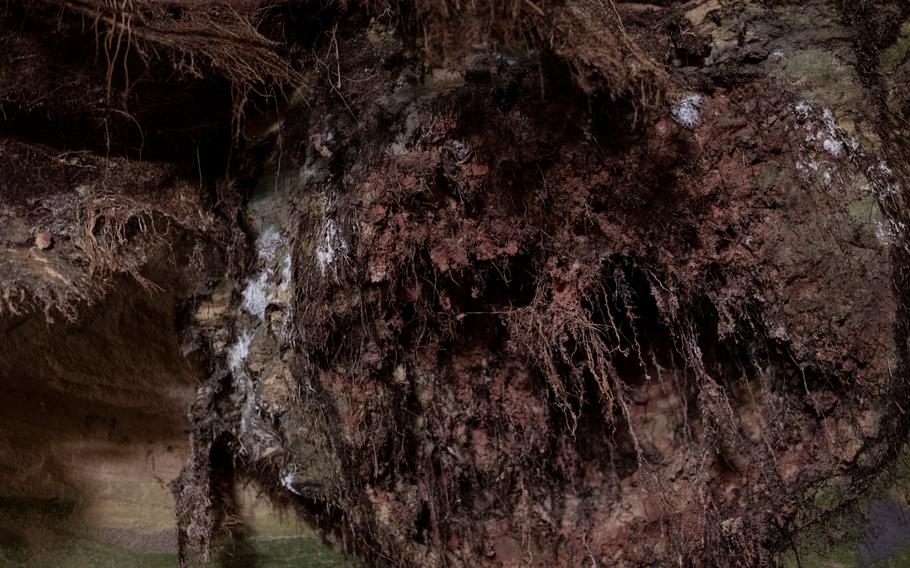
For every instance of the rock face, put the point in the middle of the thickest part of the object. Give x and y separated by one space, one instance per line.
621 284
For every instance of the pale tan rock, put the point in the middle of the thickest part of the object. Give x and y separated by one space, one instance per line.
44 240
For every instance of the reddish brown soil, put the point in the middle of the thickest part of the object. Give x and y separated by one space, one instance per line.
592 326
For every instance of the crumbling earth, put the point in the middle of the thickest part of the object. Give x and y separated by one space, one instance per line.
491 285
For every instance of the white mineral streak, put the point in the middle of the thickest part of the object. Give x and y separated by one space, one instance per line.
331 246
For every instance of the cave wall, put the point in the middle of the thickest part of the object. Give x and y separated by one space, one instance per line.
620 283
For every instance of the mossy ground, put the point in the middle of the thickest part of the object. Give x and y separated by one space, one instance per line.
53 536
73 551
851 538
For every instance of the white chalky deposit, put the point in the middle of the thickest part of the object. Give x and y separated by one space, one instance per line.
686 111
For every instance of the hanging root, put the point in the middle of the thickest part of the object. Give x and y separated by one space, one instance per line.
713 403
197 490
120 227
568 345
197 40
588 34
109 224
